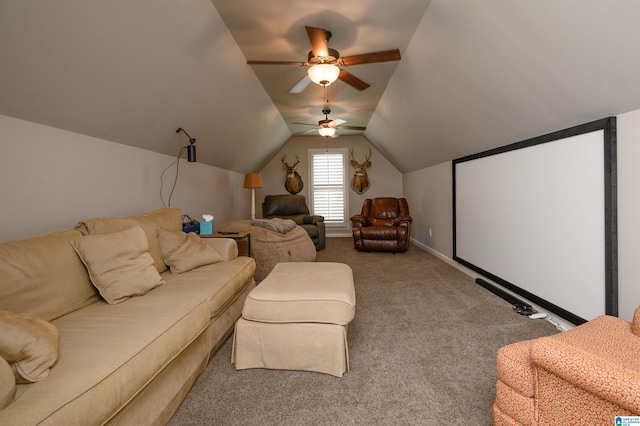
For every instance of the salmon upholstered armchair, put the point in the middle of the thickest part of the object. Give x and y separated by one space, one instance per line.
587 375
383 225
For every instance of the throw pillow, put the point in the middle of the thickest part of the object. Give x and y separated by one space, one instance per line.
184 252
7 384
119 263
29 344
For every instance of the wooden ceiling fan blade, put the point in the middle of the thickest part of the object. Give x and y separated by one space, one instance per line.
370 58
318 38
301 84
301 64
352 127
352 80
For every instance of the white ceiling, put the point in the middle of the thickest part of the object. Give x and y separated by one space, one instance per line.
474 74
275 30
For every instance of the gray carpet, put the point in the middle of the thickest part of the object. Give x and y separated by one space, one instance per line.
422 348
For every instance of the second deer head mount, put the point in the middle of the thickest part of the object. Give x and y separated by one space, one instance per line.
360 180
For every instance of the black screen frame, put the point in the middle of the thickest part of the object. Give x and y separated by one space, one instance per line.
608 125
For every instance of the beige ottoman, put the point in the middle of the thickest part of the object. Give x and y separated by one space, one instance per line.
296 319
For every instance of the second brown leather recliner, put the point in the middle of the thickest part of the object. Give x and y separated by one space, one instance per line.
383 225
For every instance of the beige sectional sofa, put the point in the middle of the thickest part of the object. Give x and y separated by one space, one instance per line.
128 362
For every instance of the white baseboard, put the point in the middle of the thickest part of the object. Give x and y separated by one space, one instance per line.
560 323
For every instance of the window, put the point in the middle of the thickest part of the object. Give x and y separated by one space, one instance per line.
328 186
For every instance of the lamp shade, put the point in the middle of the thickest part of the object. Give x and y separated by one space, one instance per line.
327 131
323 74
252 180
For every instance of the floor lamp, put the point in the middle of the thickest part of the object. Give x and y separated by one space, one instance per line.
253 181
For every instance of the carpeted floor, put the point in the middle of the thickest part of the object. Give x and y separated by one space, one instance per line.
422 349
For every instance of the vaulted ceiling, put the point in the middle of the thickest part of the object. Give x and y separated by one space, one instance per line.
473 75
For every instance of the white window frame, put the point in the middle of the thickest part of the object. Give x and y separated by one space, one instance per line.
344 224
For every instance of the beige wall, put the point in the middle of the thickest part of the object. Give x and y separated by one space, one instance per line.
429 192
51 178
385 180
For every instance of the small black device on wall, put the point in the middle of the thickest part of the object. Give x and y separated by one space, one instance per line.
191 148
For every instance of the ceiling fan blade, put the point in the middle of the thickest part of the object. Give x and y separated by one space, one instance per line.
352 127
370 58
301 84
338 121
305 124
301 64
307 132
318 38
352 80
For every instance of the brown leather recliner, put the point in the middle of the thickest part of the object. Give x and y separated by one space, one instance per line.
294 207
383 225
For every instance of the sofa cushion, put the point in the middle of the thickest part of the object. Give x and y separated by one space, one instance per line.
29 344
119 263
184 252
167 218
44 276
108 354
7 384
218 283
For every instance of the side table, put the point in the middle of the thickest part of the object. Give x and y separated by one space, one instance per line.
236 236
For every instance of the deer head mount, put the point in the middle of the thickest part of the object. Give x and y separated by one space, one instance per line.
360 181
293 182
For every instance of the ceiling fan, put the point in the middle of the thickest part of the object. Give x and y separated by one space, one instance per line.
327 127
324 62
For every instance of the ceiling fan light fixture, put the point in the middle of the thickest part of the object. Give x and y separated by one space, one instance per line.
323 74
327 131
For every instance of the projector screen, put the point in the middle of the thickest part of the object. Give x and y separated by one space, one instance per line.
538 218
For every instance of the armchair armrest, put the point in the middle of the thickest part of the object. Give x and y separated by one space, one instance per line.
599 374
313 219
358 221
403 219
227 247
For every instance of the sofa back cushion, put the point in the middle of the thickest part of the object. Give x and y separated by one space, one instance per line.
44 276
167 218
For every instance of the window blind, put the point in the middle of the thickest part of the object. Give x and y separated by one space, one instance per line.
329 189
